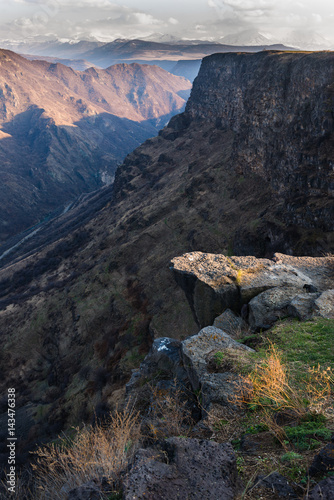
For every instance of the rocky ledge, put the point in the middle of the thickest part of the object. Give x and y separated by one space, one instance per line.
260 291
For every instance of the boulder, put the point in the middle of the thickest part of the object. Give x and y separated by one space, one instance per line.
271 305
323 490
183 468
320 270
323 461
220 388
230 323
252 283
324 305
196 351
301 306
164 356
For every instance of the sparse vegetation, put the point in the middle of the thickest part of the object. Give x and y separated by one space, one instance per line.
94 453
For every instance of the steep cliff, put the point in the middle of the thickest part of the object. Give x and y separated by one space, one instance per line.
263 124
78 313
282 119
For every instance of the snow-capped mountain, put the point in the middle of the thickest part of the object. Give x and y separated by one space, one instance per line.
248 37
308 40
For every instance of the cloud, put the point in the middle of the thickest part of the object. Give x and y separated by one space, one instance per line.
142 18
210 19
255 5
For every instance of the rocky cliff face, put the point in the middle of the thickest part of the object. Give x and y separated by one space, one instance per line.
79 312
281 115
266 121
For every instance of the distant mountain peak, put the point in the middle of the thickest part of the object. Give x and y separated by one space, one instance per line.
248 37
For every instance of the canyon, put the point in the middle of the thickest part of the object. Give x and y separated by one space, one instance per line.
64 132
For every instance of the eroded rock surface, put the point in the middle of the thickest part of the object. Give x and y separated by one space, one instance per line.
183 468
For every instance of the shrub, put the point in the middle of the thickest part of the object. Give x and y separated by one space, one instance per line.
94 453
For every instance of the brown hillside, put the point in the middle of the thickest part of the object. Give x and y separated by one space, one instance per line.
63 132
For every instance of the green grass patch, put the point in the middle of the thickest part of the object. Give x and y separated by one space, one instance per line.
308 435
303 344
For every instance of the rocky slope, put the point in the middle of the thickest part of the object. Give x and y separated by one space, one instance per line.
225 176
63 132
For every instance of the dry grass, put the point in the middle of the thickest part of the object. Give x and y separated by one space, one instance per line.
169 413
272 388
95 453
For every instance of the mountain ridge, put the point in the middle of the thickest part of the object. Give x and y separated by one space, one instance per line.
64 132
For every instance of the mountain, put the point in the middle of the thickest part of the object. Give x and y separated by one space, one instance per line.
188 69
308 40
247 37
158 49
144 51
52 48
64 132
246 170
77 64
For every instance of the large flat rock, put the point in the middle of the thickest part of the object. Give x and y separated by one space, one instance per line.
213 283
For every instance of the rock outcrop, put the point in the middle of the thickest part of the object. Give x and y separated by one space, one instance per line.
263 290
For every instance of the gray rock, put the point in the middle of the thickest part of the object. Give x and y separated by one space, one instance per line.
318 269
221 388
215 387
230 323
276 483
301 306
196 348
323 490
272 276
270 305
183 468
164 356
324 305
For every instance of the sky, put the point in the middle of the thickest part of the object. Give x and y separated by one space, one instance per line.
106 20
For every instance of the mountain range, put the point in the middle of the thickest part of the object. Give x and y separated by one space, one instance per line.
163 53
63 132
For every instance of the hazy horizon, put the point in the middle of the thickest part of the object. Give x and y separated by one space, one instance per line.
105 20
